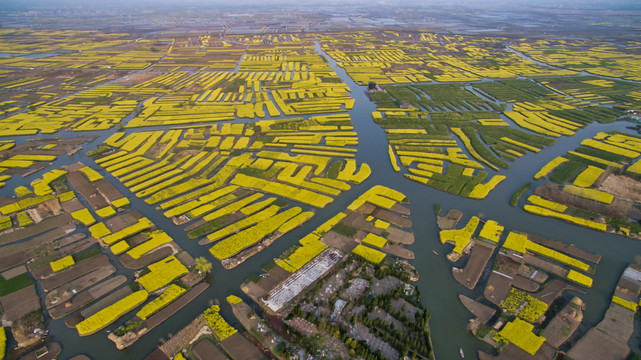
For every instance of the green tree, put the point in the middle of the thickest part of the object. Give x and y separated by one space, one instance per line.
203 265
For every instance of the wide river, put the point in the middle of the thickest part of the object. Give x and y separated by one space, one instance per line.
439 289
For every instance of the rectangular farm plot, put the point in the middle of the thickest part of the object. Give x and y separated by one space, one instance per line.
162 273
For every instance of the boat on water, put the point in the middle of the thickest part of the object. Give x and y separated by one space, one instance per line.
460 351
434 251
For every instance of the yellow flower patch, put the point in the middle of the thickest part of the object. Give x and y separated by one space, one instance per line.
519 333
41 186
106 212
573 219
108 315
592 194
369 254
91 174
141 225
547 168
381 224
221 328
233 299
460 237
162 273
24 219
84 216
237 242
480 191
392 158
120 203
580 279
119 247
157 238
632 306
588 176
168 296
537 200
375 240
62 264
99 230
310 247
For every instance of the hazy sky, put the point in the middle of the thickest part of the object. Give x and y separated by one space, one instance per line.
571 4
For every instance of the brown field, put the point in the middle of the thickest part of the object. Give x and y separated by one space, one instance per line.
470 275
239 348
64 293
20 303
206 350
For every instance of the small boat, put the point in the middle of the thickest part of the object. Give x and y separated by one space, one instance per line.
434 251
460 351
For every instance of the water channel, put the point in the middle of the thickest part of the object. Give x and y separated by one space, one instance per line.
439 289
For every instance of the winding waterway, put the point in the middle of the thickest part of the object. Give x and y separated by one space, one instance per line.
439 289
